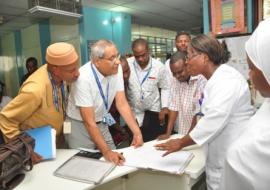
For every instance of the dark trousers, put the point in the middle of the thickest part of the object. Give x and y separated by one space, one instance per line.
151 127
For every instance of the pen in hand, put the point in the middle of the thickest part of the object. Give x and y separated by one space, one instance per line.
121 159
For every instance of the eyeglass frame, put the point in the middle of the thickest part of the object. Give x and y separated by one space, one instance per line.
112 60
193 56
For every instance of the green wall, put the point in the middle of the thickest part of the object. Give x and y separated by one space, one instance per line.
8 64
65 30
30 45
101 24
32 41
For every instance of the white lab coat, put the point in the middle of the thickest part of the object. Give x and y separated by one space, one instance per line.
226 108
247 164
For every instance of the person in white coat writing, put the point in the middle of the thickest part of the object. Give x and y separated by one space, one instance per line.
247 163
226 107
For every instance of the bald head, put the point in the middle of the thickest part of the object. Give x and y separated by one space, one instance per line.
140 42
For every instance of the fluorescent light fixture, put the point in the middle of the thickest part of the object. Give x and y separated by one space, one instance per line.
39 9
117 19
105 22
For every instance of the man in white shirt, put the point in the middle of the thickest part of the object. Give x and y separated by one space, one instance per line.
100 81
148 88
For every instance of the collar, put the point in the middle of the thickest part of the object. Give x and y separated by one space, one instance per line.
148 66
192 78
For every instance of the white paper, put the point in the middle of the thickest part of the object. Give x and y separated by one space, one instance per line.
54 143
149 158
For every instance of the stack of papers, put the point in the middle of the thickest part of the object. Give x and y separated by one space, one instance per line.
148 157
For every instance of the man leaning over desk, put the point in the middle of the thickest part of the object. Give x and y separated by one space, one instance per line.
40 100
91 96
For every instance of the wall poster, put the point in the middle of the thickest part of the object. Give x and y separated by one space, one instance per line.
227 17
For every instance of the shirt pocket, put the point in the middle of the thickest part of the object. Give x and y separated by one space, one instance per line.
150 85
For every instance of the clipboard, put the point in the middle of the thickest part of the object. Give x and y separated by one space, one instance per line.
84 169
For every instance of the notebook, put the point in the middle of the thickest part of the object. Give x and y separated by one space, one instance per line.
45 144
148 157
84 169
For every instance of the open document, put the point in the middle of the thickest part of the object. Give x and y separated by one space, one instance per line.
84 169
148 157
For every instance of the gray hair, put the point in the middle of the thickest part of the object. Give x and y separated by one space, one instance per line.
98 48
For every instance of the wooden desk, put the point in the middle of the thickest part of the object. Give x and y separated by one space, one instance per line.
121 178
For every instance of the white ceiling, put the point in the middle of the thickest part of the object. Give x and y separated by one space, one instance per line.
174 15
14 16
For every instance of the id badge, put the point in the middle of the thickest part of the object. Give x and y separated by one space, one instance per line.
67 127
108 119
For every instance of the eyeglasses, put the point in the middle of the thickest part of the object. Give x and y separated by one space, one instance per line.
113 59
141 56
189 57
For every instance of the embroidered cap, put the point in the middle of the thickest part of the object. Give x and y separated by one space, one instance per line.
61 53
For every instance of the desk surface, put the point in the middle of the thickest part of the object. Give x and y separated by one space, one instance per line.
41 177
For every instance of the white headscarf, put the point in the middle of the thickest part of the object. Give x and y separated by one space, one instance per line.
258 48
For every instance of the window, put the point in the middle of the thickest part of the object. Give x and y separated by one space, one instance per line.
159 47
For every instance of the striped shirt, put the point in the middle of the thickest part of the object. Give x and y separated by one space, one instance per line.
185 99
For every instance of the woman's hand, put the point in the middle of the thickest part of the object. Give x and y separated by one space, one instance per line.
170 146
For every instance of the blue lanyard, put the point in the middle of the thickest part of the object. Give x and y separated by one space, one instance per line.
105 100
200 103
145 76
55 94
201 99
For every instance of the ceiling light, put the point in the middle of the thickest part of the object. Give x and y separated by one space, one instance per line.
118 19
38 10
105 22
